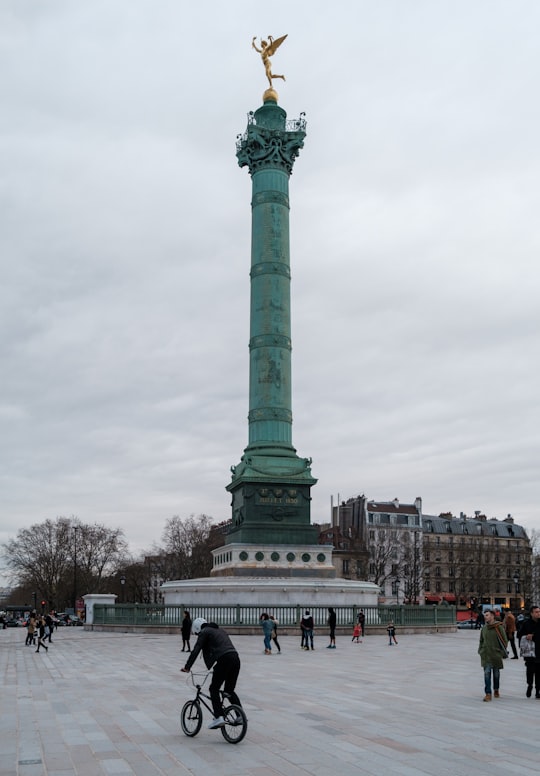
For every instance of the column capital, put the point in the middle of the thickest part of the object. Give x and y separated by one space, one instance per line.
270 141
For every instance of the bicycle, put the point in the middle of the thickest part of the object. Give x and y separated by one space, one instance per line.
191 716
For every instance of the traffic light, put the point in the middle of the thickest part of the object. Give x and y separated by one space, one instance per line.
43 604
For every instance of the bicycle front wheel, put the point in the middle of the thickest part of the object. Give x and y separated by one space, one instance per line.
191 718
235 727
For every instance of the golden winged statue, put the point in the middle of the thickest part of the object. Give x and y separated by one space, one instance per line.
268 49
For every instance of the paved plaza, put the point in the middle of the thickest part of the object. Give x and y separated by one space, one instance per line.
108 703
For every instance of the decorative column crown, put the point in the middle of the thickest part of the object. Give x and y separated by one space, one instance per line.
270 140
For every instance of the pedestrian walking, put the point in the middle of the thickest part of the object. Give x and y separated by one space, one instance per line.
49 627
530 649
391 630
31 630
186 631
268 628
274 634
492 650
362 622
41 634
357 632
510 628
332 619
307 626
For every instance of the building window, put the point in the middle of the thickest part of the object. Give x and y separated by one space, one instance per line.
427 585
372 536
437 571
345 567
372 570
437 587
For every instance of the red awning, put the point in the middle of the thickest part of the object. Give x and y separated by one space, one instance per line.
432 599
450 597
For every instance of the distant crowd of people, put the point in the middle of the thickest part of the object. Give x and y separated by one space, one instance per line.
269 626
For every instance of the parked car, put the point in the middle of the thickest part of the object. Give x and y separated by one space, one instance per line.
466 624
76 621
12 623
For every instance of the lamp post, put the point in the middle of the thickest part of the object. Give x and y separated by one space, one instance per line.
516 585
75 529
122 586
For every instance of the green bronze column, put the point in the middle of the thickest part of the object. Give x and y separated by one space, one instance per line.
270 487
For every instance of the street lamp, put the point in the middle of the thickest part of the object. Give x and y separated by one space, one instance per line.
75 529
516 583
122 584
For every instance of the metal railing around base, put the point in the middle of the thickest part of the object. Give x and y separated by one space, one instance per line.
238 615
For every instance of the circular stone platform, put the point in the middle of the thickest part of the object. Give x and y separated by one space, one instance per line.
269 591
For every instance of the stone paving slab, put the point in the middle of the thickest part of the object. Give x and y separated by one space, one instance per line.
107 704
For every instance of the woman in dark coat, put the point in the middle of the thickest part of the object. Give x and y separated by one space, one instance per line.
186 631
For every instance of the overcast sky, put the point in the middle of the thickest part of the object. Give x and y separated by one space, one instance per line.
125 252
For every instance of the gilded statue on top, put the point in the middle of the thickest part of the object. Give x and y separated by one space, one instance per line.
267 50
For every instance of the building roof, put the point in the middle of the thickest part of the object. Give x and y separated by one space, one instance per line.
473 526
392 507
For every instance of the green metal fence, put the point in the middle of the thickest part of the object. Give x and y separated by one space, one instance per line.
238 615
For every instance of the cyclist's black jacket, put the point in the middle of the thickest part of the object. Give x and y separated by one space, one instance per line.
213 642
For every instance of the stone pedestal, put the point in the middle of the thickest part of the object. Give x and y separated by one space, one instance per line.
274 560
96 598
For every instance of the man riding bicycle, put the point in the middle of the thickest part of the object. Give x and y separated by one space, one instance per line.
218 651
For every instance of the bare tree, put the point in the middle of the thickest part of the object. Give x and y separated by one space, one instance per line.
100 551
534 538
40 557
58 558
188 543
386 557
411 567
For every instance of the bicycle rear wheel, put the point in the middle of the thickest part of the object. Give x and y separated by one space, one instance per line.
191 718
235 727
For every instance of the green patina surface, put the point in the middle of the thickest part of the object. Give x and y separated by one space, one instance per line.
270 486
